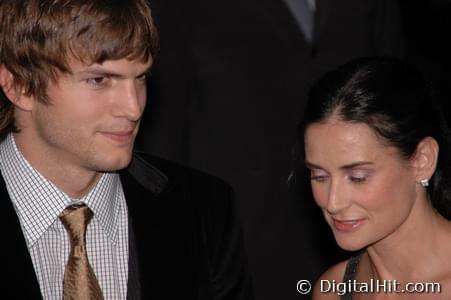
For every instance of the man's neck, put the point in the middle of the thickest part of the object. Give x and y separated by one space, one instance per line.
71 179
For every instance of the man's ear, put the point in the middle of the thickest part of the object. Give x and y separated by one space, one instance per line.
425 159
13 91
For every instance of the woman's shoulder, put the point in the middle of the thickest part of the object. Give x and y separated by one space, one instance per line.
331 277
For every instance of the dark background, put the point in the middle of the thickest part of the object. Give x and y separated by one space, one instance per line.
426 28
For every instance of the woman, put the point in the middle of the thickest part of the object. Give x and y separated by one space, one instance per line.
378 153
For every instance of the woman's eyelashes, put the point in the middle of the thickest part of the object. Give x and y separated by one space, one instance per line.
318 175
358 176
354 176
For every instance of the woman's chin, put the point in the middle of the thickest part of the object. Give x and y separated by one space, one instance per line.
350 245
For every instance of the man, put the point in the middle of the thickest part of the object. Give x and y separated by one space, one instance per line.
79 220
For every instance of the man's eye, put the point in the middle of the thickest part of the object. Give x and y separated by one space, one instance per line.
142 77
97 81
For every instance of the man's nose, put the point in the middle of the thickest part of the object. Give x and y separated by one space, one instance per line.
131 101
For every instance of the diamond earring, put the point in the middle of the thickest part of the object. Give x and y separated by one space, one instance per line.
424 182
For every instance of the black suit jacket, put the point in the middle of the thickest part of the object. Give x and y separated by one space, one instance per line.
228 89
185 242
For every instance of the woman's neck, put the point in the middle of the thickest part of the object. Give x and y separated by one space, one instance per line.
417 250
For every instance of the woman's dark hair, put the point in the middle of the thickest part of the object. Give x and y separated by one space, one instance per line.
392 98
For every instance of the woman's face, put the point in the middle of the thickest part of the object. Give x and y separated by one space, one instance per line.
365 189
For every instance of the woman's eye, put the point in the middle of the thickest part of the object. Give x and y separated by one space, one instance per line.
357 179
319 178
318 175
358 176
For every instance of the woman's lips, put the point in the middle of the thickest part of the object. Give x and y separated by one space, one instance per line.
348 225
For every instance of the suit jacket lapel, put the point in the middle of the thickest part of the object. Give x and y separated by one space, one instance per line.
21 280
144 229
277 13
134 281
323 10
162 221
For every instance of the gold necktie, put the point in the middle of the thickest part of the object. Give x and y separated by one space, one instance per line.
80 282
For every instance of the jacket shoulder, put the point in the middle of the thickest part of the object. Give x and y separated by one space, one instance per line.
197 223
170 172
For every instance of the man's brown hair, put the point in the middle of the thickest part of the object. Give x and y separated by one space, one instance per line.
38 38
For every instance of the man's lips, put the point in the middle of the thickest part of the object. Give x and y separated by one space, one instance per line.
119 136
348 225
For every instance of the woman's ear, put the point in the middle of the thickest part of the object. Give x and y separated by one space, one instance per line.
14 92
425 159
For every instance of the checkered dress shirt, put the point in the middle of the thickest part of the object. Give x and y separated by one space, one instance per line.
38 204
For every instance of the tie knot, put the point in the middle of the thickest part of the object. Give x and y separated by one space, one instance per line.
75 219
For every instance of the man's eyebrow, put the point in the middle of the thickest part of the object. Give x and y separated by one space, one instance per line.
106 73
100 73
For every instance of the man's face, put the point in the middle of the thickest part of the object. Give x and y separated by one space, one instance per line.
92 117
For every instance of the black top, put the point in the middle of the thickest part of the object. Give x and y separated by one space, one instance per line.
350 272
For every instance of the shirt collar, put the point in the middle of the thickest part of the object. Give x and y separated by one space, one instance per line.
38 202
104 201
